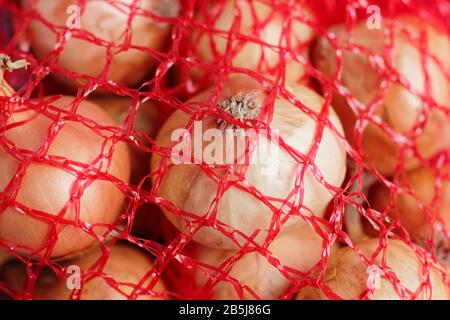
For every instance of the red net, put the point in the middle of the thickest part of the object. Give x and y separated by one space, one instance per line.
277 149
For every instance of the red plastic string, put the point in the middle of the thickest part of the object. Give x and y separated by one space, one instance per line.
169 88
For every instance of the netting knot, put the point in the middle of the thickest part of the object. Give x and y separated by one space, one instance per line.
374 277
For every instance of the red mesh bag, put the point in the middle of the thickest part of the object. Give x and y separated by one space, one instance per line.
274 149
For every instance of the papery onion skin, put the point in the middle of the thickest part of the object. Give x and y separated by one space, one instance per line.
251 49
400 108
299 249
107 22
190 189
347 275
47 188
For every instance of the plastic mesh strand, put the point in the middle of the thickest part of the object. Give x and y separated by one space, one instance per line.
168 89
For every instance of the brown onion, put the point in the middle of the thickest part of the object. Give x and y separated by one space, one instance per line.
400 109
123 273
45 208
107 21
348 277
189 188
128 267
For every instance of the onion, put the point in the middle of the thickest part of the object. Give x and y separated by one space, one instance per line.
15 274
108 23
38 185
126 266
119 108
256 40
123 273
400 109
299 249
190 188
412 217
4 256
347 276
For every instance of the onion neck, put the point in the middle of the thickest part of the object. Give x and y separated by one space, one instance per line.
241 106
6 64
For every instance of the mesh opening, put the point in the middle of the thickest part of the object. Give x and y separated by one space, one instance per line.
104 193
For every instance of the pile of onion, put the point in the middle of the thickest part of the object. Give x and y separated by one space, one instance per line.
398 104
65 169
391 272
193 189
251 275
103 31
124 272
60 175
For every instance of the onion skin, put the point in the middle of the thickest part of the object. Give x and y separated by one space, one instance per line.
210 46
47 188
347 274
299 249
107 23
190 189
400 108
422 181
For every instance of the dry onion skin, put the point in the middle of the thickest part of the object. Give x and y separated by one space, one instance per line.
252 276
108 23
414 210
256 42
347 276
400 109
44 198
190 188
